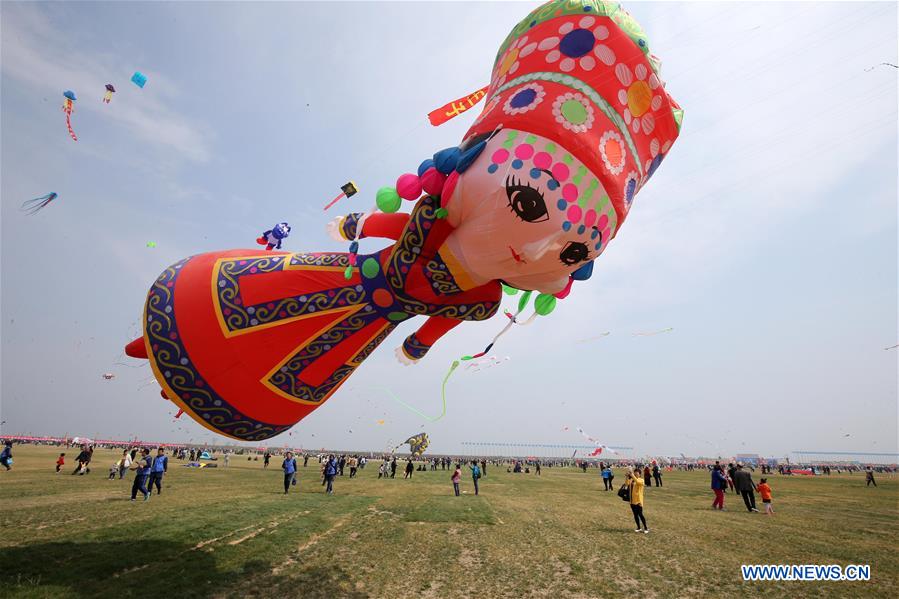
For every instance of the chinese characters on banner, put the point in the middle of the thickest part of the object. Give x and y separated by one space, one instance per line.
456 107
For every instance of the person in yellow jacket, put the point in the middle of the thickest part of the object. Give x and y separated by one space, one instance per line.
635 486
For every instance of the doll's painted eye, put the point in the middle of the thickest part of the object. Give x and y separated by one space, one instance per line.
574 252
525 201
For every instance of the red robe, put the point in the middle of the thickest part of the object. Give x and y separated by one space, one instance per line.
249 342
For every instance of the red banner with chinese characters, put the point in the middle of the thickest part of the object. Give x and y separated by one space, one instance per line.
456 107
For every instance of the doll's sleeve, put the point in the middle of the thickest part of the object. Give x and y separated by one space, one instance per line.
388 226
418 343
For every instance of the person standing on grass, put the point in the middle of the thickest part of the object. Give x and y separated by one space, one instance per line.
305 459
484 468
393 467
160 466
607 483
60 462
353 463
731 471
330 473
141 469
289 466
719 483
647 476
6 455
743 483
457 478
409 469
869 477
124 464
537 468
475 474
657 474
635 486
765 491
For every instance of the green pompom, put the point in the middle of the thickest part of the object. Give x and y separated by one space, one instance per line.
544 304
509 290
348 272
441 213
388 200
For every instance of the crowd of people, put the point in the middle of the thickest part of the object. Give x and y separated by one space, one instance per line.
736 477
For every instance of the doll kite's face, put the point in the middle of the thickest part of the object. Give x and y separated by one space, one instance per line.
528 213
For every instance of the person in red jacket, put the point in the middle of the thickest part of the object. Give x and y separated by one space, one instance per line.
60 462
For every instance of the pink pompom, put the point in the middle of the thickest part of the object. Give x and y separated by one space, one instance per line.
352 259
432 181
448 187
408 186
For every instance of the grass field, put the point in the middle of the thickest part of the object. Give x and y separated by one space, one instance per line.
232 533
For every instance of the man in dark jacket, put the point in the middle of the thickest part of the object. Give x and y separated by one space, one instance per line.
160 466
141 470
330 473
83 459
657 475
743 483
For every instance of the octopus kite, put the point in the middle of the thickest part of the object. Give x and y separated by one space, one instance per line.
576 121
68 107
35 205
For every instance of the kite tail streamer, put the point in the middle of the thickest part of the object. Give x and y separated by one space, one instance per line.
69 126
415 410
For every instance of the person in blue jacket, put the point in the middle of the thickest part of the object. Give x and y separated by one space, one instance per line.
6 455
160 466
289 466
719 484
475 474
142 468
330 473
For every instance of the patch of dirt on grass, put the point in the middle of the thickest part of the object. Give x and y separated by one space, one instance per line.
313 540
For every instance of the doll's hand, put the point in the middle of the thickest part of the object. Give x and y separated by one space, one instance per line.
403 358
334 229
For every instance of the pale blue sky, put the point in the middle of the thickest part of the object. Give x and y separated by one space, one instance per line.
768 240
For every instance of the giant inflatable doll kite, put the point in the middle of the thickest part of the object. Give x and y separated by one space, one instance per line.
576 121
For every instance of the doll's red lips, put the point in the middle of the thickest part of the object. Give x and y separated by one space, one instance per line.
515 255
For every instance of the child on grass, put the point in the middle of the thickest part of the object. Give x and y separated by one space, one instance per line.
113 470
60 462
765 491
457 478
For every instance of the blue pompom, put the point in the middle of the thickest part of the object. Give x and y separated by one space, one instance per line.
469 156
354 247
446 160
584 272
428 163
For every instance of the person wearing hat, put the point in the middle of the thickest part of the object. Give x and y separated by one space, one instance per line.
744 485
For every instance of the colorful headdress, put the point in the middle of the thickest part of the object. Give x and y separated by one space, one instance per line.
580 73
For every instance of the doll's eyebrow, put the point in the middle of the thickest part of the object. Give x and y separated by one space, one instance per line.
551 176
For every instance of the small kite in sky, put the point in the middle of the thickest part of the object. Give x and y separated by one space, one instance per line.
151 244
651 333
606 334
139 79
347 190
272 238
36 204
68 107
108 95
108 376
